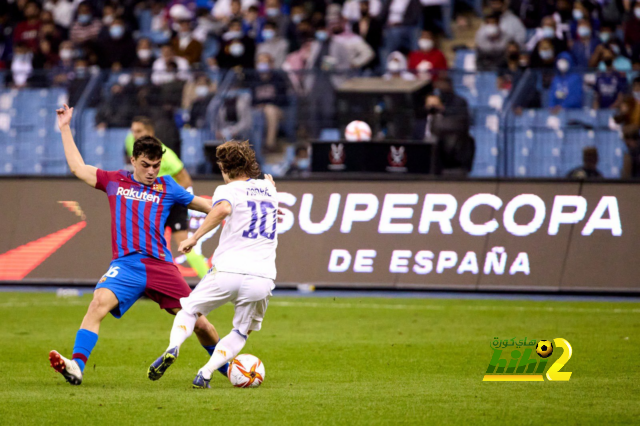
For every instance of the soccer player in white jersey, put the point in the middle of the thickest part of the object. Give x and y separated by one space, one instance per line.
244 262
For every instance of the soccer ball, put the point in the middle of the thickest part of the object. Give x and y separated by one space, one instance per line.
544 348
357 131
246 371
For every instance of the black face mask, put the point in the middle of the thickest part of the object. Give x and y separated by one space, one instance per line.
514 56
433 110
608 62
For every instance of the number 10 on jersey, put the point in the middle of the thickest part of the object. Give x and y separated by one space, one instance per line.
266 210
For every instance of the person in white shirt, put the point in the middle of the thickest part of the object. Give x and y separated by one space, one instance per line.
160 74
244 262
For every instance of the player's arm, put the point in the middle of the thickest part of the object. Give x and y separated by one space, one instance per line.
213 219
200 204
82 171
183 178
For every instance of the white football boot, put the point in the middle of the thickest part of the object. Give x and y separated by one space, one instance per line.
69 369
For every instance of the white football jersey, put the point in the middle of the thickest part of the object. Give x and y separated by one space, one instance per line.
249 239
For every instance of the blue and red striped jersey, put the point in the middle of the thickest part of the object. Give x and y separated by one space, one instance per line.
139 212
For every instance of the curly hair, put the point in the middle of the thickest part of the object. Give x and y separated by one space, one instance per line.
148 146
237 159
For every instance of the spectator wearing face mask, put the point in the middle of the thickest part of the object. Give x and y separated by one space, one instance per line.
26 32
237 50
184 45
273 45
144 54
117 51
584 12
301 165
397 68
161 66
620 62
548 31
566 87
21 65
226 10
274 12
196 97
360 53
544 57
610 85
491 44
270 95
586 44
429 57
252 24
86 27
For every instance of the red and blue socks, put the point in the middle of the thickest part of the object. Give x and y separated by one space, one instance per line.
85 342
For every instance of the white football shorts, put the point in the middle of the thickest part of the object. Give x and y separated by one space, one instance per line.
249 294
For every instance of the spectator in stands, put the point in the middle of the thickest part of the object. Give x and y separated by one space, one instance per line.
50 31
63 11
509 70
397 68
301 165
237 50
26 32
298 15
402 20
252 24
566 87
491 44
117 50
161 65
586 44
547 31
563 17
530 12
270 95
184 45
585 11
233 120
632 26
196 98
275 12
449 129
370 29
159 31
45 57
360 53
228 10
144 54
610 86
116 110
629 110
589 168
108 15
544 56
620 62
429 59
21 65
67 55
510 25
273 45
86 28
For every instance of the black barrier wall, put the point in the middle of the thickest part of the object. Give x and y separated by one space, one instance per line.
472 235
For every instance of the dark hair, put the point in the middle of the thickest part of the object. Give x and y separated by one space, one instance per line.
146 121
148 146
636 80
237 158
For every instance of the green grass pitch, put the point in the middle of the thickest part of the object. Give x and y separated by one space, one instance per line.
328 361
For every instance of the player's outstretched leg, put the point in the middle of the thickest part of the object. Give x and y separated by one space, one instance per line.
104 300
183 326
227 349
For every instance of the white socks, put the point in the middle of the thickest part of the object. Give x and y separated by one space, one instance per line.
183 326
226 349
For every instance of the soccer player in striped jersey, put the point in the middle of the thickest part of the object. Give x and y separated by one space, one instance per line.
142 264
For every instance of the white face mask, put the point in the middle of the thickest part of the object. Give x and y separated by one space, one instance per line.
548 32
636 12
394 66
202 91
144 54
563 65
492 30
425 44
66 54
236 49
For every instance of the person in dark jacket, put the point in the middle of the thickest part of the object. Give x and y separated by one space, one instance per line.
566 87
117 50
589 168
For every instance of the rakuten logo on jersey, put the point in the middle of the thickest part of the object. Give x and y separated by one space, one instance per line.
132 194
441 210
